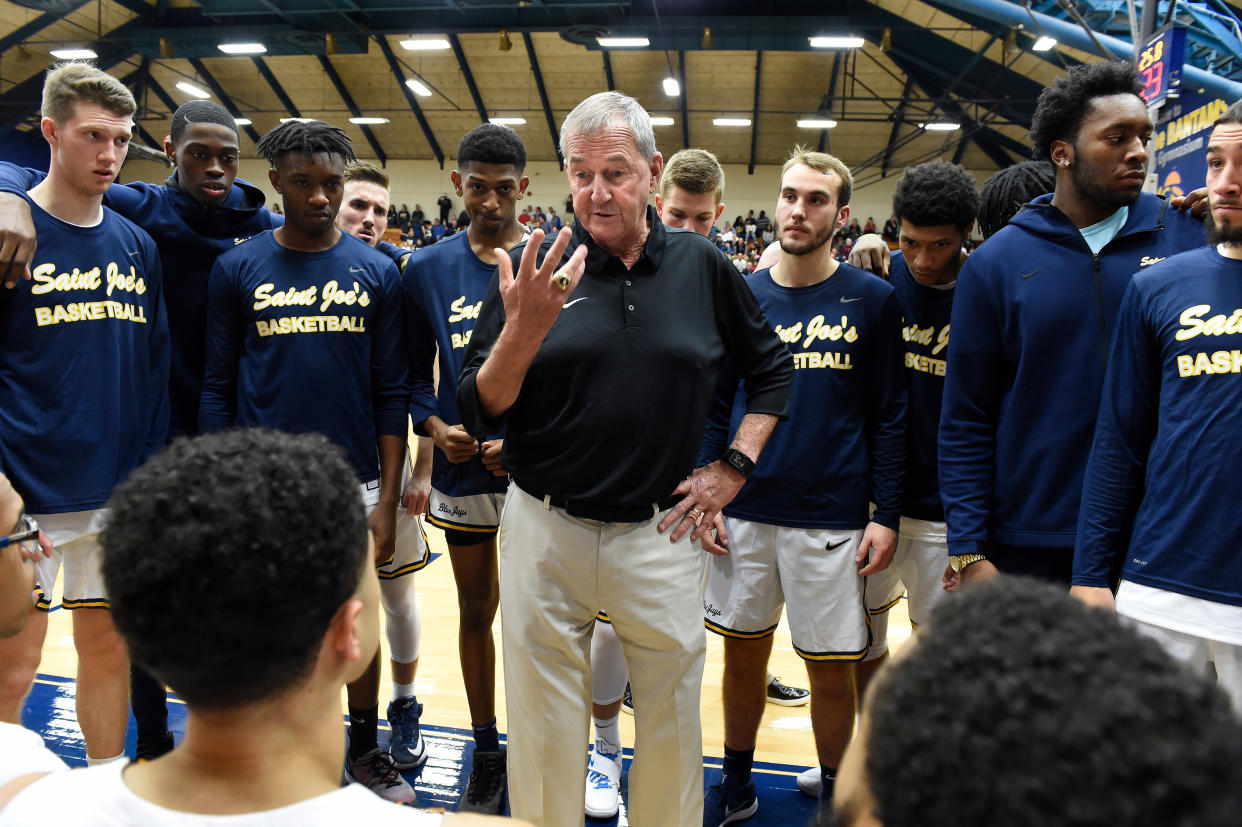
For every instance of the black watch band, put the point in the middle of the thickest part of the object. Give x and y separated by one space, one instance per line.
739 462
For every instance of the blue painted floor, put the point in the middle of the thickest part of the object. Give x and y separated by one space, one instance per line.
439 782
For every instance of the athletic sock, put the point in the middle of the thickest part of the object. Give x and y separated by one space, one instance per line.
608 735
402 690
149 701
486 738
737 763
828 779
363 724
99 762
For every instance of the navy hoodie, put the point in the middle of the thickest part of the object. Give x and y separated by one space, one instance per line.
189 237
1032 319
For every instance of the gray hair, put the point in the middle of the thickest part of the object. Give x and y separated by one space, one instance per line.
609 109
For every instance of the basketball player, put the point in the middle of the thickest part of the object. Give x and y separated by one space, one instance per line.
84 353
304 334
201 211
364 215
799 530
444 286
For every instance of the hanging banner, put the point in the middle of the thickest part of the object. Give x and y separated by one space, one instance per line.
1180 141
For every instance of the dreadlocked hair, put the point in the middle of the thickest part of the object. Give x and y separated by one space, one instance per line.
1007 191
305 137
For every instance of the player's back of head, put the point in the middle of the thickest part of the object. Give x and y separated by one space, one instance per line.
1005 193
1017 705
226 557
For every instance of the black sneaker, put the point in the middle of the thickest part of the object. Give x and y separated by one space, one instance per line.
627 702
722 806
150 749
782 695
485 791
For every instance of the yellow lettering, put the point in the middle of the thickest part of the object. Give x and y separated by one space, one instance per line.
463 311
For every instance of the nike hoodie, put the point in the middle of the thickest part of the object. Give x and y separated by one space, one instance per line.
1032 321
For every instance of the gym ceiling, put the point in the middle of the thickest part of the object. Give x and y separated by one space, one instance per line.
971 63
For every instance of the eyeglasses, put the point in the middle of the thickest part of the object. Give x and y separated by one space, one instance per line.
26 537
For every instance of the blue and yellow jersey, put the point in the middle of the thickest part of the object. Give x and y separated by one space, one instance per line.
444 289
83 363
925 315
1159 498
844 443
307 342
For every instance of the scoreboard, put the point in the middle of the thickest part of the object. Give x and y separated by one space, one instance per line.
1160 64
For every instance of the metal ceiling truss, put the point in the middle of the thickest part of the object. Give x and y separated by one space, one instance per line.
399 76
343 91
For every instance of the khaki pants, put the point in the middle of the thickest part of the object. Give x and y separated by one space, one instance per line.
556 572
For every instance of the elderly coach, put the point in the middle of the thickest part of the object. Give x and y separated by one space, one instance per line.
600 361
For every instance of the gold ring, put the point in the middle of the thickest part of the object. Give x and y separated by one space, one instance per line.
562 281
695 513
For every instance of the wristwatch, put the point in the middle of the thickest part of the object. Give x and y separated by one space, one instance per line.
739 462
958 562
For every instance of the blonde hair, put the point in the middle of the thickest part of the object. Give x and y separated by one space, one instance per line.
67 84
825 163
694 170
362 171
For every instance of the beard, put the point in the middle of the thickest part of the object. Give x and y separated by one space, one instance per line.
809 245
1085 174
1222 233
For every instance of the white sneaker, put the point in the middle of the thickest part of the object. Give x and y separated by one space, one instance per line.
603 789
809 782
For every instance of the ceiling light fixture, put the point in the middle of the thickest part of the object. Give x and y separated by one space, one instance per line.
508 121
661 121
940 126
303 120
425 44
74 54
671 87
242 48
367 121
191 89
816 123
1044 43
418 88
835 42
731 121
242 121
623 42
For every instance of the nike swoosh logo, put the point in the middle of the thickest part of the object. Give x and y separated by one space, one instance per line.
855 299
1033 272
353 269
832 546
575 301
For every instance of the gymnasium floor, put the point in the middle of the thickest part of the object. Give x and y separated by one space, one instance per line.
785 745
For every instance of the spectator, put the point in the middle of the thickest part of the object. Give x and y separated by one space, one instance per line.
890 233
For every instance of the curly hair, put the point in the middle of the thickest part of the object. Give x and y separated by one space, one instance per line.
307 137
1018 705
1061 108
936 193
1008 191
226 556
490 143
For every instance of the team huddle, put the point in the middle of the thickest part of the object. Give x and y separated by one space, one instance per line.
623 441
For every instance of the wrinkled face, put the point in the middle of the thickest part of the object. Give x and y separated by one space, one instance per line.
933 253
610 183
364 211
311 187
489 194
697 212
1108 159
206 159
1224 182
89 147
807 214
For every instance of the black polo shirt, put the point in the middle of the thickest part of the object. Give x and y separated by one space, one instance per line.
612 408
